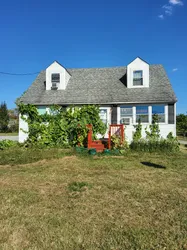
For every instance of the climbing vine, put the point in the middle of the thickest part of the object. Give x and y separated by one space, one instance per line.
154 132
138 132
61 126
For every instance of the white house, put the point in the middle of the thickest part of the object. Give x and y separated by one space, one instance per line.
125 94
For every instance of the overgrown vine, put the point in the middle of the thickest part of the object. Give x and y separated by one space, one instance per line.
61 126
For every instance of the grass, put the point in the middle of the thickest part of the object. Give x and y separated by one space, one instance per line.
9 134
182 138
54 199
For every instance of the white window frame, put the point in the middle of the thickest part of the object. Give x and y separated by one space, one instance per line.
128 116
132 78
149 120
108 114
165 112
133 121
53 81
139 78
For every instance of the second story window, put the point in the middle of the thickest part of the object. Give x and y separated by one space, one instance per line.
55 78
138 78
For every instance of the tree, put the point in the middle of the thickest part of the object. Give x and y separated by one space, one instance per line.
4 117
182 124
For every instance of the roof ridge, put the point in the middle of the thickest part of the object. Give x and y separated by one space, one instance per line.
109 67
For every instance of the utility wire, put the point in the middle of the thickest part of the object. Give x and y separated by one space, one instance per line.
16 74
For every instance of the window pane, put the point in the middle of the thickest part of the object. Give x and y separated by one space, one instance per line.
103 115
125 115
141 110
138 74
41 110
171 117
138 78
161 118
126 110
143 118
125 121
138 82
160 111
142 114
55 77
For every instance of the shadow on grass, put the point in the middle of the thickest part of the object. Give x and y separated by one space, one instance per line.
153 165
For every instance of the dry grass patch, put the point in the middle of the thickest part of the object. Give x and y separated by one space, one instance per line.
95 203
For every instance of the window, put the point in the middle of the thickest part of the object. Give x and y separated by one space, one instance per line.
103 115
126 114
55 78
160 111
171 114
142 113
138 78
41 110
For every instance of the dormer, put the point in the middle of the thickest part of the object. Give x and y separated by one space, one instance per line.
57 77
138 74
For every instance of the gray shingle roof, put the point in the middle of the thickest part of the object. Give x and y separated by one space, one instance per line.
101 86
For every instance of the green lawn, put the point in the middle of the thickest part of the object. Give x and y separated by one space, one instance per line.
55 199
9 134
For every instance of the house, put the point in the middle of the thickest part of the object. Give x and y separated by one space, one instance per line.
125 94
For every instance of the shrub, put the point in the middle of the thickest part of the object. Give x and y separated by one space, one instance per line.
154 132
117 144
4 144
13 128
162 145
138 133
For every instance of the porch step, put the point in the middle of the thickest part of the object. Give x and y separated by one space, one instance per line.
98 147
97 142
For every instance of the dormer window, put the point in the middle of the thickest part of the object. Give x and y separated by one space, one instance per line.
138 78
55 78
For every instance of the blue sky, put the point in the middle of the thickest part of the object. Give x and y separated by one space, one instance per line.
99 33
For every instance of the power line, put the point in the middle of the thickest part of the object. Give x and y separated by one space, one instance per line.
17 74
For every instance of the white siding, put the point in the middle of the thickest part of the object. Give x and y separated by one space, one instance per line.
137 65
56 68
22 126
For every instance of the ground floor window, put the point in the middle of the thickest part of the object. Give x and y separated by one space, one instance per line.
142 114
160 111
126 114
41 110
103 115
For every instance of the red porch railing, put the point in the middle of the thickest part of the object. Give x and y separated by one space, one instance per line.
115 129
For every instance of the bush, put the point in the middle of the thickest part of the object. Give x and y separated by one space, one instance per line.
4 144
161 145
13 128
138 133
117 144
